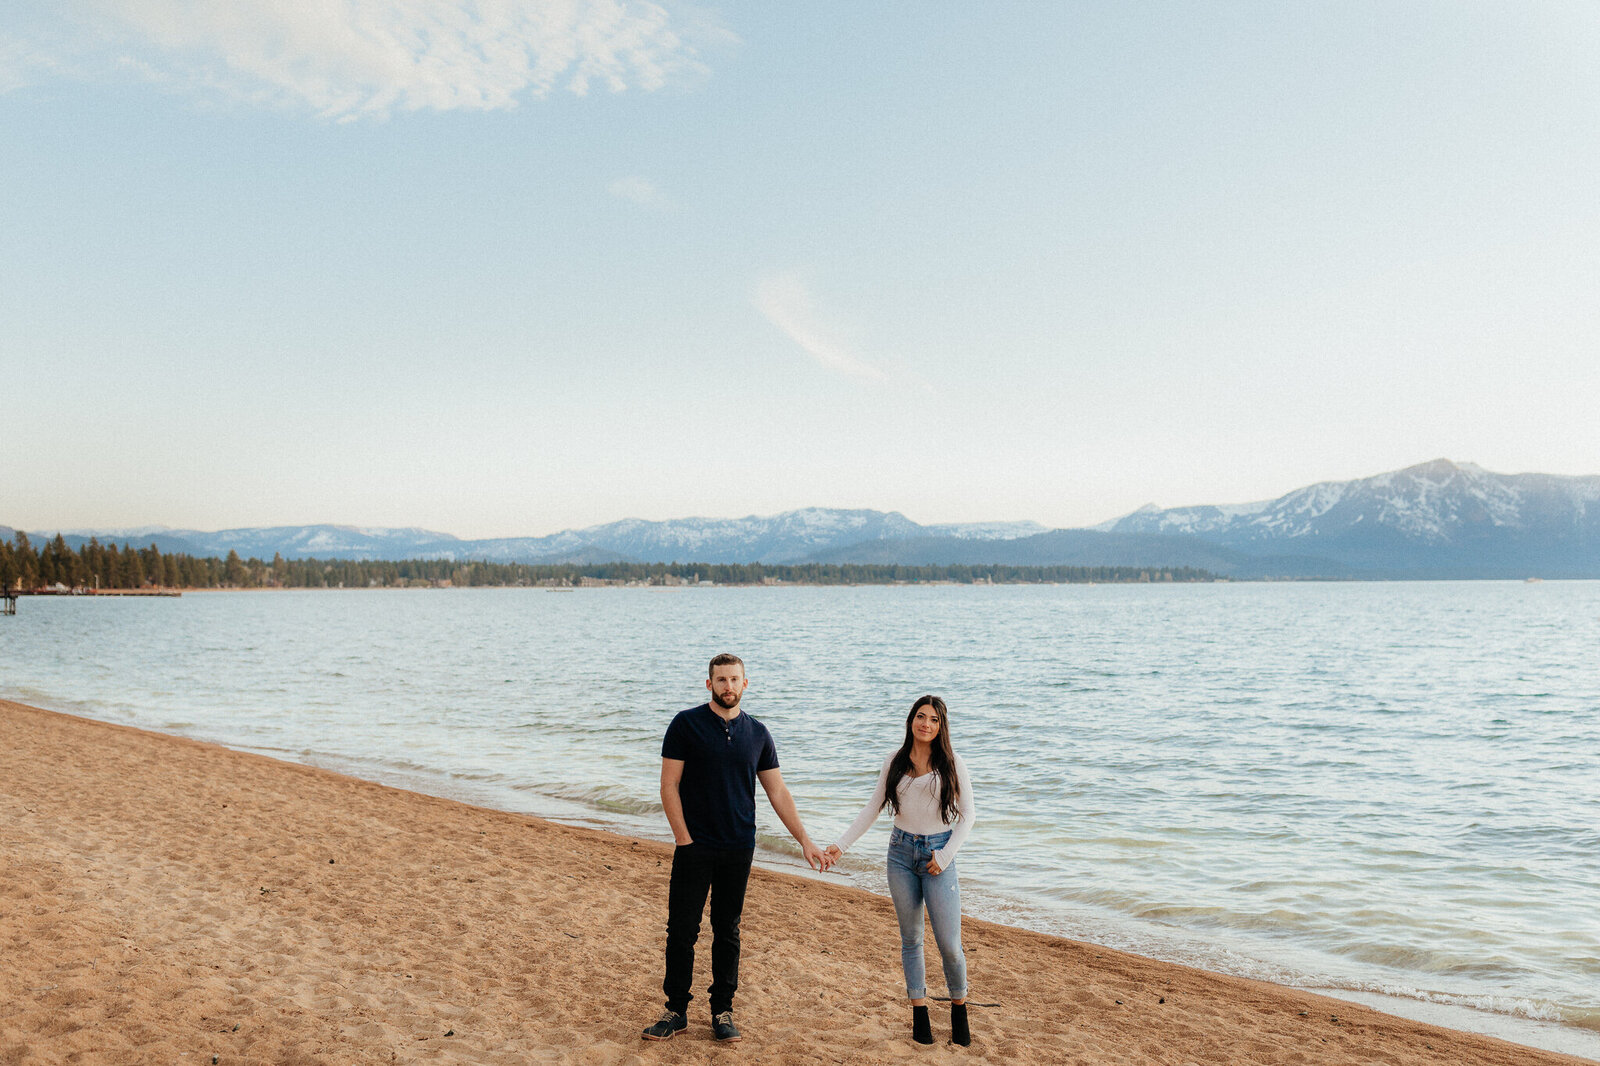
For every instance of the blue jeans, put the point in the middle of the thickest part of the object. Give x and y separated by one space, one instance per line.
912 887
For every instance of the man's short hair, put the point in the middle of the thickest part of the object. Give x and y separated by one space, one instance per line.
725 659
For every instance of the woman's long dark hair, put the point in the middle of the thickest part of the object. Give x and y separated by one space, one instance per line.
941 756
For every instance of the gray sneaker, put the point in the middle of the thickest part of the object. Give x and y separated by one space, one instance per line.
723 1029
671 1022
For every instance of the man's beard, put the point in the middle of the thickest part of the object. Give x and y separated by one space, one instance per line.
727 700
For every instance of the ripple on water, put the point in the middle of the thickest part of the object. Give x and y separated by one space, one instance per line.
1382 787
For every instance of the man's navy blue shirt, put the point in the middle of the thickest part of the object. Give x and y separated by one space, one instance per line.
720 763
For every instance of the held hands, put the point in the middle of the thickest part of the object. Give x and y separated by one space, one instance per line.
831 857
816 858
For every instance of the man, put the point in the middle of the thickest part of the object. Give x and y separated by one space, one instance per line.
711 759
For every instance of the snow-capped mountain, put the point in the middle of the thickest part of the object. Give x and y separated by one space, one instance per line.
786 537
319 542
775 539
131 534
1432 519
1437 519
293 542
986 530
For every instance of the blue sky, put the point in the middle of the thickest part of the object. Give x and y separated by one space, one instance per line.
501 268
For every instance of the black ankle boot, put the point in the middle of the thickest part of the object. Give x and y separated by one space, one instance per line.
959 1033
921 1030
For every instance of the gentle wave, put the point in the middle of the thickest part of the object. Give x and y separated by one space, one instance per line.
1373 788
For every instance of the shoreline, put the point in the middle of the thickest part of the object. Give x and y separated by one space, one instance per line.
1011 912
168 897
1516 1028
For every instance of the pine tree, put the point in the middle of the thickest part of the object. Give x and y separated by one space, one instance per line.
24 561
65 563
132 568
93 558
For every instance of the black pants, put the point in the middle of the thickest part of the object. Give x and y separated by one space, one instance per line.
696 870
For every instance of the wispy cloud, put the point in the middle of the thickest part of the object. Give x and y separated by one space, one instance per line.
639 190
15 64
786 301
347 59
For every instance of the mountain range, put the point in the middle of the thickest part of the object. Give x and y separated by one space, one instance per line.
1435 520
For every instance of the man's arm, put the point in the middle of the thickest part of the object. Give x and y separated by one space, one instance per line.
672 803
783 803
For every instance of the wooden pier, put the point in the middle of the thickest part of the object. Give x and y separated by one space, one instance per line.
8 597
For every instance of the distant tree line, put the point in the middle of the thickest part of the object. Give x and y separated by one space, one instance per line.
96 565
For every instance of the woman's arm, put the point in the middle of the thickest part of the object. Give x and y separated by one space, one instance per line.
869 813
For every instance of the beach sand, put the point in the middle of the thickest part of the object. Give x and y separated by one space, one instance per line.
169 901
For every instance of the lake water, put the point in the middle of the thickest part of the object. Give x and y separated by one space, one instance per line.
1379 789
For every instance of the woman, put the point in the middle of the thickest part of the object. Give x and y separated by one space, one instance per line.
925 783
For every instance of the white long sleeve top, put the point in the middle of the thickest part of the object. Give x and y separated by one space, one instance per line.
919 810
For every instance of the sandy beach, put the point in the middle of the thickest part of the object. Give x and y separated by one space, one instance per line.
168 901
